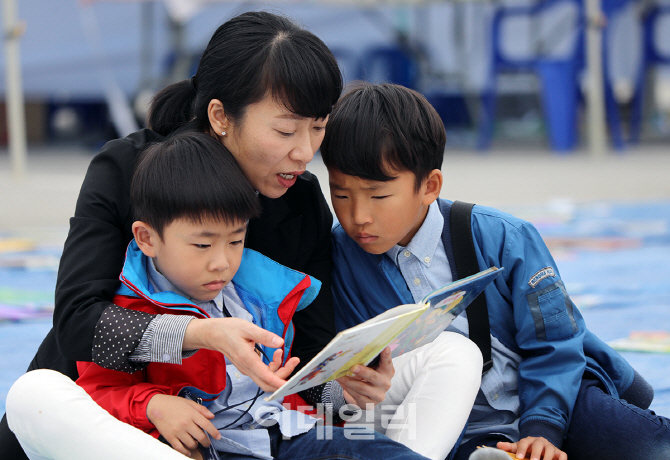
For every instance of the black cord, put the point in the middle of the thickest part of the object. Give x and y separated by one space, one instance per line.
226 313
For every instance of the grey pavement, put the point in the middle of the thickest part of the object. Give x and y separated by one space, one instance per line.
505 178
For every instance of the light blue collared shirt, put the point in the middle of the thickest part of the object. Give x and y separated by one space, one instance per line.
246 434
423 263
425 267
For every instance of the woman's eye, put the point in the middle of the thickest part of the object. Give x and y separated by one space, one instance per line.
285 134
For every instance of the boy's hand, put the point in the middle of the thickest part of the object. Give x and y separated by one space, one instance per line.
236 338
182 422
369 386
533 448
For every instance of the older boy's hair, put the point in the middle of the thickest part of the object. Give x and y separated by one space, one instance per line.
190 175
377 130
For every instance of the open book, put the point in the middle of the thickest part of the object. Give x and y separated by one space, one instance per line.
403 328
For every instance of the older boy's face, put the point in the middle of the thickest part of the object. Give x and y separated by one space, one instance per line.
200 258
378 215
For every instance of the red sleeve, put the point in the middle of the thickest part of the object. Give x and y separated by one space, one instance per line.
123 395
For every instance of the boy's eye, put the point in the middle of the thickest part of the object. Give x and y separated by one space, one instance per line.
380 197
237 242
339 197
202 246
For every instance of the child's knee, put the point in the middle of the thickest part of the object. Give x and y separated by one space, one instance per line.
459 349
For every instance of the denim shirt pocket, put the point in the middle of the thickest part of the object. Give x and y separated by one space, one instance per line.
552 312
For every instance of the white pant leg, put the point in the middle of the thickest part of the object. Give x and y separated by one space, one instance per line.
54 418
431 395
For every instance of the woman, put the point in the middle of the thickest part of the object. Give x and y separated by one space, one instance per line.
264 88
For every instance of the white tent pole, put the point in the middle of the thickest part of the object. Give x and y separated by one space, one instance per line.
597 130
16 122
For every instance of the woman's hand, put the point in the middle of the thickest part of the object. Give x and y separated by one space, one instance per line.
369 386
236 339
533 448
183 423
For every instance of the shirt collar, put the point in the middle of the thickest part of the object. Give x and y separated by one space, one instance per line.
425 242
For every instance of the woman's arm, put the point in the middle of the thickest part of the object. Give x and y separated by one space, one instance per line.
93 255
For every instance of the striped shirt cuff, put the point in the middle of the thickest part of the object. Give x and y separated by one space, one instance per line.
162 340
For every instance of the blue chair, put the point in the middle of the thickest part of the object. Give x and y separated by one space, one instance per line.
558 77
652 56
349 63
610 9
389 64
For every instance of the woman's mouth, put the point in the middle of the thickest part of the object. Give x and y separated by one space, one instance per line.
288 179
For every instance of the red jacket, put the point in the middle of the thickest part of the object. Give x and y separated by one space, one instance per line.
275 291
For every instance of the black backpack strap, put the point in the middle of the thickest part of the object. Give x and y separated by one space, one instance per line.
466 265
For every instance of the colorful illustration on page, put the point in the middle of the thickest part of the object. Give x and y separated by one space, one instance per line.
426 327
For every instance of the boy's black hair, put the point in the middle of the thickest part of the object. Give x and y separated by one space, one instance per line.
376 130
190 175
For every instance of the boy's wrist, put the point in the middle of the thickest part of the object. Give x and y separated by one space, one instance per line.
542 429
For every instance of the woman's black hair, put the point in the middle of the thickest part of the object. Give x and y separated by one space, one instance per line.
249 56
191 175
375 131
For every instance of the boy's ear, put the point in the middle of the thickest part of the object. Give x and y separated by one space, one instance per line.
145 237
433 186
217 117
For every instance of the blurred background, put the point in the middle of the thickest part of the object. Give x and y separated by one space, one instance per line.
497 71
555 110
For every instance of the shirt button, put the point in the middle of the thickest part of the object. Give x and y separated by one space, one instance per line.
495 396
426 259
417 281
237 375
407 253
166 358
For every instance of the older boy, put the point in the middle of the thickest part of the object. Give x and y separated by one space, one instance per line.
553 384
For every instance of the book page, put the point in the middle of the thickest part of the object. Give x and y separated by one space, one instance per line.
404 328
357 345
445 304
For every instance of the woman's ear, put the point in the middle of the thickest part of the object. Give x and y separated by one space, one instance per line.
433 186
145 237
217 118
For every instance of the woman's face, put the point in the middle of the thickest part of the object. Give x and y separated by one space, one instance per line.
273 145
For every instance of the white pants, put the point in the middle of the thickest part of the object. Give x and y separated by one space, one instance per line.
54 418
431 396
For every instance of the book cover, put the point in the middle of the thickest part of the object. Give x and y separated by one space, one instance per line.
403 328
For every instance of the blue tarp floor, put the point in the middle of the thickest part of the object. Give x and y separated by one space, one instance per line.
613 259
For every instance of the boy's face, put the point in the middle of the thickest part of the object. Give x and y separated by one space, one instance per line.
198 258
379 215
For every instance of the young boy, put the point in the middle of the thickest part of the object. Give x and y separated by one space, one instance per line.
553 384
192 205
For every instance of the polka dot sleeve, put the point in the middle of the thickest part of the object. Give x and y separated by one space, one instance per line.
117 334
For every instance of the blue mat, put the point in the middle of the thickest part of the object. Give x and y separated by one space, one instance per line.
612 257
